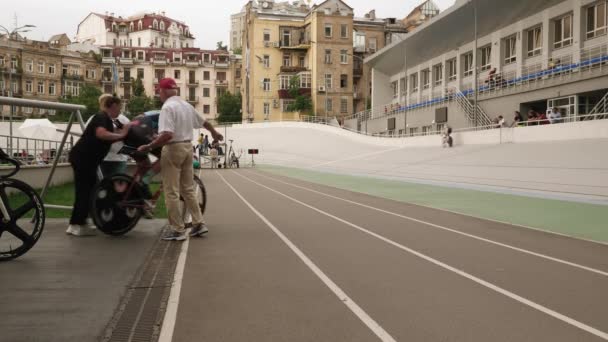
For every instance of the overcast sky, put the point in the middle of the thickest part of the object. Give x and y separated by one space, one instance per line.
209 21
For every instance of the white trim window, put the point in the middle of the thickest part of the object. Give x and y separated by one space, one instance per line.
373 45
266 111
468 64
52 69
2 61
344 105
266 85
52 89
286 59
40 87
535 41
286 104
438 74
327 56
486 58
305 80
329 105
266 61
562 33
266 35
414 82
452 70
41 67
28 110
29 87
596 20
344 56
510 44
426 79
395 89
328 81
29 66
329 30
284 82
344 31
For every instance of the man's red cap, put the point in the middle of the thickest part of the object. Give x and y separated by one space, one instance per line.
166 83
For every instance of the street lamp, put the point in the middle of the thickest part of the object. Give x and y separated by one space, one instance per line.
10 34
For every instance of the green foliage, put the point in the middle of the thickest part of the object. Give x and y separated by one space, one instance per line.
138 88
221 46
140 103
238 51
303 103
88 97
230 108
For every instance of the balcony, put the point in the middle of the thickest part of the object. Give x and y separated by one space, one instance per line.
292 69
222 65
177 62
221 83
106 80
126 60
108 60
193 64
125 80
301 44
192 83
284 93
73 77
192 100
159 61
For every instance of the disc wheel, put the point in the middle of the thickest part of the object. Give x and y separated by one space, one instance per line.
114 210
201 198
21 230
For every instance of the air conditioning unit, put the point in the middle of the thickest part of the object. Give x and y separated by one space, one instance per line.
276 44
267 44
321 89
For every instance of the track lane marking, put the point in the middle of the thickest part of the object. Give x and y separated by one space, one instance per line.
543 309
521 250
382 334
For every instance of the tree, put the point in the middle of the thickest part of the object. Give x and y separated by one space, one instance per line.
221 46
88 97
139 103
138 88
238 51
230 108
302 103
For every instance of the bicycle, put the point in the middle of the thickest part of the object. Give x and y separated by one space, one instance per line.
22 214
118 202
233 159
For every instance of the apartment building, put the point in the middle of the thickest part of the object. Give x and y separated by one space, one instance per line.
541 55
237 27
41 78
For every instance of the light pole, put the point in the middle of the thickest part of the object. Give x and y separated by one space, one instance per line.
10 34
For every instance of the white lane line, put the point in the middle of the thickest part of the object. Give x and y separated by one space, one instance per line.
168 327
461 273
344 298
525 251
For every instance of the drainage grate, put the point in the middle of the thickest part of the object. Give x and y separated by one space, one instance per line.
139 316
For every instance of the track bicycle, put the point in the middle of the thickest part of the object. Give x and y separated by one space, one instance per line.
119 201
22 213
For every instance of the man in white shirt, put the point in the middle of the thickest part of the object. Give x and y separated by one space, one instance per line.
178 120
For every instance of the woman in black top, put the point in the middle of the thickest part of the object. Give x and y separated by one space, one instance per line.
87 155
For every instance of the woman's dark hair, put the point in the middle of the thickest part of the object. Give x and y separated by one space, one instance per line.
108 101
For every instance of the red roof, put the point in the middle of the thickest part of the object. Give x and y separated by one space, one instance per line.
147 22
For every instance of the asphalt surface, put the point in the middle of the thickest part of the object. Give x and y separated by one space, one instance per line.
67 289
414 273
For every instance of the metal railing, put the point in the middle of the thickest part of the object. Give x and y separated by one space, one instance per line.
34 151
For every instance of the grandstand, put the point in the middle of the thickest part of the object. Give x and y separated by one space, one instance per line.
529 55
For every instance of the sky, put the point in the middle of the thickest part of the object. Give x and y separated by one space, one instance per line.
209 21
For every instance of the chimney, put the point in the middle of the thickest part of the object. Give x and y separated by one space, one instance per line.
162 13
372 14
112 14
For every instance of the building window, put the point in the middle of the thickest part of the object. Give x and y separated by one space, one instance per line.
344 105
29 66
266 84
328 30
535 41
327 56
162 25
452 71
52 88
328 81
329 105
155 24
206 109
206 58
286 39
305 80
41 67
286 104
140 73
139 41
287 59
344 31
40 87
438 74
510 49
486 58
52 69
468 64
206 75
596 20
344 56
266 61
414 82
140 25
1 60
206 92
266 110
562 31
177 74
91 74
426 79
14 63
28 110
28 87
284 82
52 112
373 45
302 61
343 81
266 36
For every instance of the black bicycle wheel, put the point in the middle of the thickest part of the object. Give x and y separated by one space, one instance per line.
201 198
19 232
112 211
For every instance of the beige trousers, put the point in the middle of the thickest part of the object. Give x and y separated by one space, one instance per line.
177 174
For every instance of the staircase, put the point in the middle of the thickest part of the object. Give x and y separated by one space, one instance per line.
600 108
469 110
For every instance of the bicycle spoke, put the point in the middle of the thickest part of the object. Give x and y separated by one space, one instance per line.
22 235
24 209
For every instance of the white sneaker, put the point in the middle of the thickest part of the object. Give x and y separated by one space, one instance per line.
81 230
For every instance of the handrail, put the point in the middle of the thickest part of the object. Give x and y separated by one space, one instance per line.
12 101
